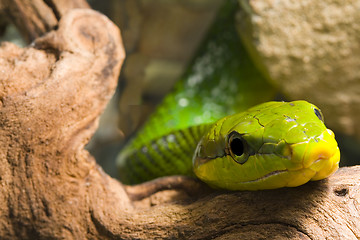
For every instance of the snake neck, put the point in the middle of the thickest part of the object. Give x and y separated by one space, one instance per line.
170 154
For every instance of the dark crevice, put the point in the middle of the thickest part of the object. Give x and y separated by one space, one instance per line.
342 192
51 5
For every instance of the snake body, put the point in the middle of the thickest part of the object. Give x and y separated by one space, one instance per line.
271 145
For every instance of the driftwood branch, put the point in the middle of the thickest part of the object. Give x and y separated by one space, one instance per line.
33 18
51 95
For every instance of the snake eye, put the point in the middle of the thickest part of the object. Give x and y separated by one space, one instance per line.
319 114
237 147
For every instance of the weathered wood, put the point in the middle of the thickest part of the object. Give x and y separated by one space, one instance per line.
51 95
34 18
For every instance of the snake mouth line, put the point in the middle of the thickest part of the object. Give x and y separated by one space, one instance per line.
278 172
274 173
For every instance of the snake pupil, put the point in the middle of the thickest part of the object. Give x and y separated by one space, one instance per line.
237 146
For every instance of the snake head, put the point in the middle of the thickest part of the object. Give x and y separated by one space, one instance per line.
272 145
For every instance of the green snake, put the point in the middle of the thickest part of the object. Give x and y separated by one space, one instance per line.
270 145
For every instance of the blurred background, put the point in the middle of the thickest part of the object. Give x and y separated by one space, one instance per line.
306 50
160 38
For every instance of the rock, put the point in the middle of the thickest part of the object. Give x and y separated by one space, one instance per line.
311 51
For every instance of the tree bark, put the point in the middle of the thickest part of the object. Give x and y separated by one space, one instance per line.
51 96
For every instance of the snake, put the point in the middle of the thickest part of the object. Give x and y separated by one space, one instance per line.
216 127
